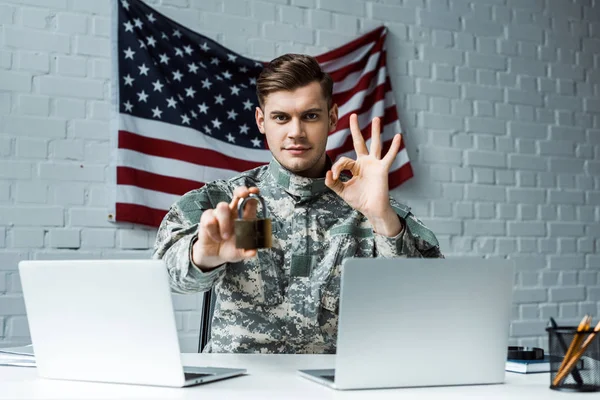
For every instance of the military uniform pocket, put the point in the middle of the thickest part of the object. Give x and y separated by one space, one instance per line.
330 265
331 302
270 262
328 315
330 294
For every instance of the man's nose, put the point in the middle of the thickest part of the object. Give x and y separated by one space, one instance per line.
295 128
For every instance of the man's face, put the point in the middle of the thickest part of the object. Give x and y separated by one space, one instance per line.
296 124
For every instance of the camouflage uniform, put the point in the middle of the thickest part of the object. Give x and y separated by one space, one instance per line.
284 300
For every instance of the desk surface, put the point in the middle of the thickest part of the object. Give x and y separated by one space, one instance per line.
269 377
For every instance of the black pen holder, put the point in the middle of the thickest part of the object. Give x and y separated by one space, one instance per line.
585 376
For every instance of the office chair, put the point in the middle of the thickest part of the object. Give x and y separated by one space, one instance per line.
208 307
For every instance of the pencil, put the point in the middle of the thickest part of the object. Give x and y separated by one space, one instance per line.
571 363
564 348
584 325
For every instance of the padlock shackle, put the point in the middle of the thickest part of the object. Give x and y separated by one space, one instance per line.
244 200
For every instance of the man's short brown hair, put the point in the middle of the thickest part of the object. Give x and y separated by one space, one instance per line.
290 72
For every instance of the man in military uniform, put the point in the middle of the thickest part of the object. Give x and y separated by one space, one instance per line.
285 299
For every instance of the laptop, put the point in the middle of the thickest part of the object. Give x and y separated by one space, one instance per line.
421 322
107 321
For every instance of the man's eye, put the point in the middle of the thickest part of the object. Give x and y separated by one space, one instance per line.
311 116
279 118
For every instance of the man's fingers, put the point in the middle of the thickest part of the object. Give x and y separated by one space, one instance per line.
218 223
375 149
334 184
239 193
343 164
209 226
248 253
243 191
357 138
250 206
223 215
249 209
393 151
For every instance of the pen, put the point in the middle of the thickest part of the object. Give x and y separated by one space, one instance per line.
563 345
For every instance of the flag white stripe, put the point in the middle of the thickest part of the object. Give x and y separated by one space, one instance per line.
347 59
352 79
352 57
400 160
150 198
357 100
172 167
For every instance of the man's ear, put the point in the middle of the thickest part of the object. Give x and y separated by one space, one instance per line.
260 120
333 117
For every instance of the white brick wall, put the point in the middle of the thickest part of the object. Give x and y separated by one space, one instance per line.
499 100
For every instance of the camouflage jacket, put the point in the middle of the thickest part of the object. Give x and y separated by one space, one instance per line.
284 300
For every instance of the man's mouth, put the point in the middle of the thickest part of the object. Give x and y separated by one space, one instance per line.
296 150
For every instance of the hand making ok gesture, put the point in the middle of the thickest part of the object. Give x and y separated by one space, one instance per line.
368 191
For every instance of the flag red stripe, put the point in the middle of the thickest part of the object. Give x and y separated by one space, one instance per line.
364 83
370 99
397 177
351 46
341 73
139 214
160 183
182 152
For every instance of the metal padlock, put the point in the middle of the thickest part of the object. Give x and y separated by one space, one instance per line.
252 233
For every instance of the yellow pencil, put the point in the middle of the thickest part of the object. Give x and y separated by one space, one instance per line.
571 363
584 325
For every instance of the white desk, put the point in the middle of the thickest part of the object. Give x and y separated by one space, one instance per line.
269 377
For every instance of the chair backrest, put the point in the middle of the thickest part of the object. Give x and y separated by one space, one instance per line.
208 307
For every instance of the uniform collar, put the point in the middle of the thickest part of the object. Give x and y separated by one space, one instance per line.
297 185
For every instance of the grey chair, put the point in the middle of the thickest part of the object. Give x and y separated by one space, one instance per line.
208 307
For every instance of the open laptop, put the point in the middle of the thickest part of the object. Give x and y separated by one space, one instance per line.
421 322
107 321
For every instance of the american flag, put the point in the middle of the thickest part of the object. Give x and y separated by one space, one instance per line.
186 110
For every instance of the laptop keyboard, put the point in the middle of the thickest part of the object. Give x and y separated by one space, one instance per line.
189 375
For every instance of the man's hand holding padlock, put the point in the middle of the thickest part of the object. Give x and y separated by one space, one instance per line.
368 190
216 238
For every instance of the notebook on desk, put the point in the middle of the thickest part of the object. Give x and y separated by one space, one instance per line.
107 321
536 366
421 322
